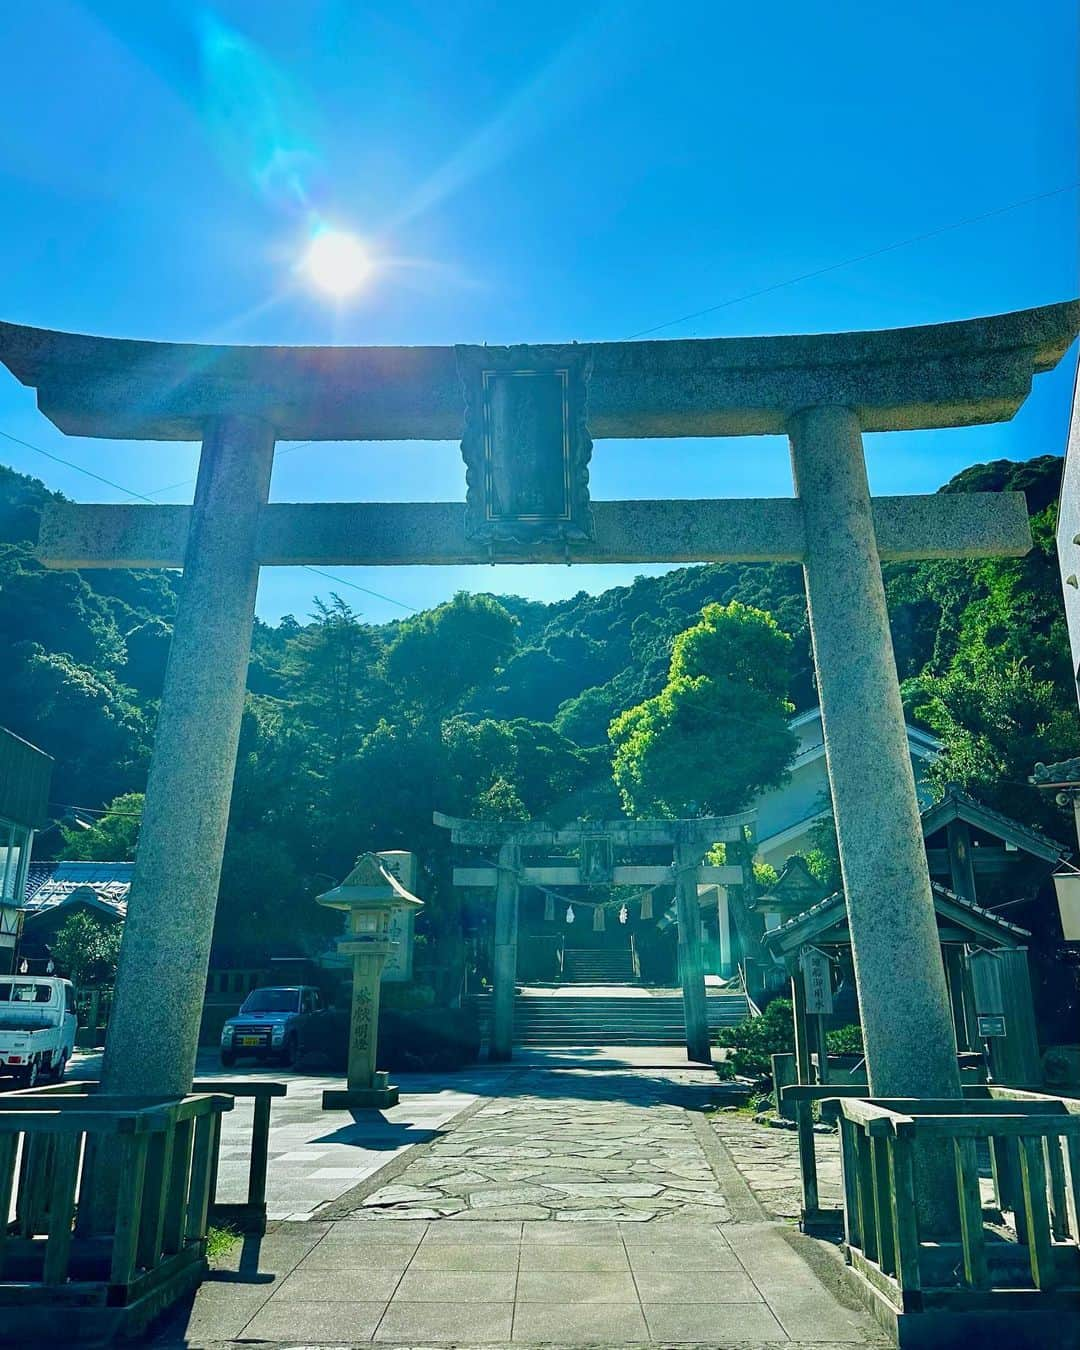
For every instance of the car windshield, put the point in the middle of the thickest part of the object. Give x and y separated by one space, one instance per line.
272 1000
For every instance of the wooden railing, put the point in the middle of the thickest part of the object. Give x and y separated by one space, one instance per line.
104 1204
1030 1145
797 1101
247 1216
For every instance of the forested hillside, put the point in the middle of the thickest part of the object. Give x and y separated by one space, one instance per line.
354 733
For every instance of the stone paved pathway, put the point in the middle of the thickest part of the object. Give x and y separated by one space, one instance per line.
507 1283
572 1209
768 1160
315 1155
569 1145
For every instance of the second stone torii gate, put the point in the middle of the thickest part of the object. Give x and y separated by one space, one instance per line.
526 431
689 841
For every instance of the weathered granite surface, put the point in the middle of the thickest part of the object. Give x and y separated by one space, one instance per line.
894 936
327 534
153 1032
952 374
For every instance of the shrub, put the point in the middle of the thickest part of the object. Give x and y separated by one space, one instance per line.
845 1040
86 948
757 1038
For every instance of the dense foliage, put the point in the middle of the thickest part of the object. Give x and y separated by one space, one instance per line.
496 706
86 949
717 733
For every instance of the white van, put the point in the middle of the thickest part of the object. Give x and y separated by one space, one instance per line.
37 1027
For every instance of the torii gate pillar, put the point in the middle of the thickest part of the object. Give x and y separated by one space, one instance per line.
505 962
166 947
910 1042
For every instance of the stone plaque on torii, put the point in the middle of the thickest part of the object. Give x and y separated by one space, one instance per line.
689 841
822 391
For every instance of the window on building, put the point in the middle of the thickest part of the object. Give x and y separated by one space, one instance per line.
14 856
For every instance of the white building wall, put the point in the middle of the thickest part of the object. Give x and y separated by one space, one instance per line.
1067 531
786 816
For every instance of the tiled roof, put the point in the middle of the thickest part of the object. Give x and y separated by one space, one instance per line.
106 882
984 817
836 900
1065 773
37 874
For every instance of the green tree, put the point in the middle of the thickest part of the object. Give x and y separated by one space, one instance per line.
996 720
86 948
328 670
80 715
439 657
112 837
718 731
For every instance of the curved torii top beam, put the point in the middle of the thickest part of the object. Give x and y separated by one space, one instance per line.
939 375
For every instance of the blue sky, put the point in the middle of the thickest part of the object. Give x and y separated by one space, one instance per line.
529 173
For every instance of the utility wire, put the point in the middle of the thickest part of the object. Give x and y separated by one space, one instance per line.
506 645
139 496
96 810
857 258
187 482
77 467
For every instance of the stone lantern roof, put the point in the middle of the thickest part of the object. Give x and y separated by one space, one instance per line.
369 885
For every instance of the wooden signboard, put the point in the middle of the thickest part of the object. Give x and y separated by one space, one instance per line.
817 980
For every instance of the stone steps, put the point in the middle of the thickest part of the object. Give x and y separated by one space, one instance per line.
597 966
570 1020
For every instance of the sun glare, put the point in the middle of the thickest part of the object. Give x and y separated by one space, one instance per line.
337 263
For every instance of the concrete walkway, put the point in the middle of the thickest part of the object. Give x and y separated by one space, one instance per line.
567 1207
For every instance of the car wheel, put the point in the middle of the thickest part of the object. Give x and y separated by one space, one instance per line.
56 1074
228 1059
289 1054
31 1075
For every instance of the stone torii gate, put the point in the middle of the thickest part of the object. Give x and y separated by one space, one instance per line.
526 416
596 841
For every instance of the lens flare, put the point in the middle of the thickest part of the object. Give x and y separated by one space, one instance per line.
337 263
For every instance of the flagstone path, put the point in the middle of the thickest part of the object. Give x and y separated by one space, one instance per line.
768 1161
574 1209
568 1145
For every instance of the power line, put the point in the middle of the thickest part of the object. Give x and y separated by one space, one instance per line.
139 496
97 810
857 258
77 467
187 482
341 581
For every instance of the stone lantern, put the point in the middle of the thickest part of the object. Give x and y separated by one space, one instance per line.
370 895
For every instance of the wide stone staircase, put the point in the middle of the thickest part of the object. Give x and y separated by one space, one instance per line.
652 1019
597 966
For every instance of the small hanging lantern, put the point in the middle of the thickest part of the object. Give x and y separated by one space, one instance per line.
569 913
624 914
598 919
549 907
646 905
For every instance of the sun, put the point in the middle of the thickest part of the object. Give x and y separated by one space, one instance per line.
337 263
